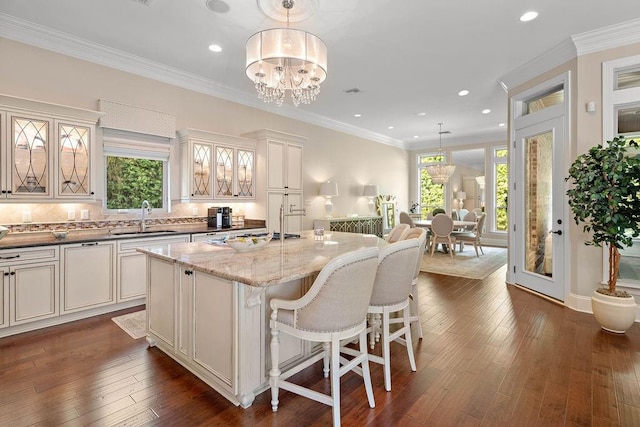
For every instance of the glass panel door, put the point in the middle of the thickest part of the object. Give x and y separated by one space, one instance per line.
201 170
539 191
30 156
245 173
74 160
224 172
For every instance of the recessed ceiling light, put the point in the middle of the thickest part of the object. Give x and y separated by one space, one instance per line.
529 16
463 92
415 137
357 115
422 114
486 111
390 127
501 125
215 48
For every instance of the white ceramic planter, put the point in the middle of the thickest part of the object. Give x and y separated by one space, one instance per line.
614 314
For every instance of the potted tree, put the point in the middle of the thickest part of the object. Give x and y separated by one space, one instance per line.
605 198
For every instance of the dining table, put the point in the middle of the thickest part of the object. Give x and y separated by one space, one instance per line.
457 225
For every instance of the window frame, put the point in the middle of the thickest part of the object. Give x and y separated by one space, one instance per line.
118 143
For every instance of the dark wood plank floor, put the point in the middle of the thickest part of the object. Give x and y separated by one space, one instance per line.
492 355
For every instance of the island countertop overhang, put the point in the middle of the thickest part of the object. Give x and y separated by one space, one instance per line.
277 262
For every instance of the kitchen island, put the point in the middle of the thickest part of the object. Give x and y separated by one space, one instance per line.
208 305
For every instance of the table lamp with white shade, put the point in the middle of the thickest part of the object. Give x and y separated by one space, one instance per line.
370 192
328 190
461 195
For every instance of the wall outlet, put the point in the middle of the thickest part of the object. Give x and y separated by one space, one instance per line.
71 215
84 214
194 211
26 216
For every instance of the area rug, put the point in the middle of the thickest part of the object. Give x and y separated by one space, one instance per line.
465 263
135 324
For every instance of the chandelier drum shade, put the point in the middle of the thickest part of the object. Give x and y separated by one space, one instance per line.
441 172
286 59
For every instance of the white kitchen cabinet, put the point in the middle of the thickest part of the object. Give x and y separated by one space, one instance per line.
161 300
30 284
283 155
87 272
4 296
216 166
45 151
131 269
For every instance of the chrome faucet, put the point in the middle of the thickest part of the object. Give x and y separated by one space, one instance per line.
292 212
146 208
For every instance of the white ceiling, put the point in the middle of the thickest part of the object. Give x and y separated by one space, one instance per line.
406 57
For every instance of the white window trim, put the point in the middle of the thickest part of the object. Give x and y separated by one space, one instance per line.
611 101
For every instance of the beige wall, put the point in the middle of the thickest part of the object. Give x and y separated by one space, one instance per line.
328 155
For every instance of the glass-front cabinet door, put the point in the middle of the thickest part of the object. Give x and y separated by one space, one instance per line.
224 172
74 161
245 183
201 179
30 157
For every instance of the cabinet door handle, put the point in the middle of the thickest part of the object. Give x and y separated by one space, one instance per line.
188 272
90 244
13 273
10 257
6 274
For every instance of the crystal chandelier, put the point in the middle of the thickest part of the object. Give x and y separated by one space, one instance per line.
441 172
282 59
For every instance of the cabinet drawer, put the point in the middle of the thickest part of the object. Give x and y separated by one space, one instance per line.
130 245
20 256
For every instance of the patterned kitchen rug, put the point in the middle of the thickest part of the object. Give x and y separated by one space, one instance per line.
465 263
135 324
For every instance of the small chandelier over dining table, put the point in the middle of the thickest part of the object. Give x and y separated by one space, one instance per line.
441 172
285 59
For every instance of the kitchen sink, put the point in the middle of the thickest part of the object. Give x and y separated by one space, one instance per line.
137 233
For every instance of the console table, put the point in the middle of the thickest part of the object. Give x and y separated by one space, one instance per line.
359 224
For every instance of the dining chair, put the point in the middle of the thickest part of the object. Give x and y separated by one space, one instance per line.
406 219
442 227
334 309
473 236
391 290
396 233
421 235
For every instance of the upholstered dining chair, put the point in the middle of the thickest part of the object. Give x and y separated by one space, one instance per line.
396 233
406 219
435 212
421 235
334 309
473 235
442 227
394 278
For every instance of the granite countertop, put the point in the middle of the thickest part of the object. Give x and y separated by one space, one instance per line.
44 238
277 262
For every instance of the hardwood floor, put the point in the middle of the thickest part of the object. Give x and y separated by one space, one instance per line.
492 354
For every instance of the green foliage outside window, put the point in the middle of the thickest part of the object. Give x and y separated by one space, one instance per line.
130 181
502 189
431 194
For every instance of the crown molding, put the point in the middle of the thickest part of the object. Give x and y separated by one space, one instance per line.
607 37
63 43
558 55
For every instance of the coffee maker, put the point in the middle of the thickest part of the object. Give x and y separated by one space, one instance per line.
219 217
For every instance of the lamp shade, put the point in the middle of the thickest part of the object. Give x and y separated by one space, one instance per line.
461 195
329 189
370 190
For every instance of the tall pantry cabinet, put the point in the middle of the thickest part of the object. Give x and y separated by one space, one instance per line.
282 181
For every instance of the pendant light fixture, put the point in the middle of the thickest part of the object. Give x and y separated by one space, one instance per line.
441 172
284 59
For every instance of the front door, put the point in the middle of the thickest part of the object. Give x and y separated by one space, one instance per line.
539 192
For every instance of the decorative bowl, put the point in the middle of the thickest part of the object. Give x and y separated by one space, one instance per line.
3 231
59 234
249 243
